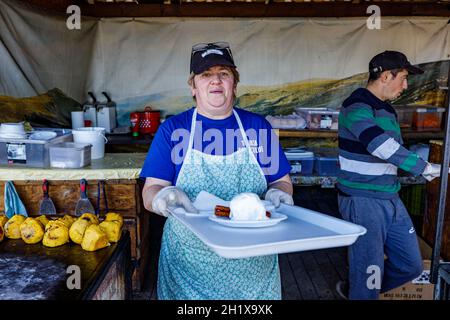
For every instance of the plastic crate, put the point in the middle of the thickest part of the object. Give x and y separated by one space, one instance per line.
319 118
301 162
29 152
326 163
428 118
70 155
405 115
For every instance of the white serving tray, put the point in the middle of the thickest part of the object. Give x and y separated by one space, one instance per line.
303 230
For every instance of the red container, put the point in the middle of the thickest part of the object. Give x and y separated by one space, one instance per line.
149 121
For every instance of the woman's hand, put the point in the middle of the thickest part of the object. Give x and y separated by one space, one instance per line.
280 191
277 197
171 196
158 194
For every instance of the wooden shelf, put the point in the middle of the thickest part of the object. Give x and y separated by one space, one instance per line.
330 181
422 134
316 134
306 133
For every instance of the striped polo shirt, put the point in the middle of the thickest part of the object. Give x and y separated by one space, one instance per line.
370 148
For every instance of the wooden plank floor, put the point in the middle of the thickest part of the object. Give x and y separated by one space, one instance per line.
312 275
309 275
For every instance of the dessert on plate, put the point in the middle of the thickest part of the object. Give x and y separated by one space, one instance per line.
244 207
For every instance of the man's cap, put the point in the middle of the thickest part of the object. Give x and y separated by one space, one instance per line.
389 60
207 55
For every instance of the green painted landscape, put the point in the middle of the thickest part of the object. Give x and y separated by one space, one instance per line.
53 108
314 93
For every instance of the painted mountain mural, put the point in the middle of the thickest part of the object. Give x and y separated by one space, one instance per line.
53 108
282 99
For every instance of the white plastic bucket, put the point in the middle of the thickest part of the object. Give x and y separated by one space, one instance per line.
93 135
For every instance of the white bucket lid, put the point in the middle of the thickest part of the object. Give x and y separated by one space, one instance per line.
42 135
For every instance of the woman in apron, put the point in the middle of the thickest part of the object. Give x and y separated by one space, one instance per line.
188 269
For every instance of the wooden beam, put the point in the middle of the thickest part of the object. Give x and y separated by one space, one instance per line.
260 9
244 9
59 6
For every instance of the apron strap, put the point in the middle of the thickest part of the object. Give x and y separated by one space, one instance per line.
194 121
243 134
191 135
241 127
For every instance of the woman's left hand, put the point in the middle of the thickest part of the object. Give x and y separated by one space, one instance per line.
276 196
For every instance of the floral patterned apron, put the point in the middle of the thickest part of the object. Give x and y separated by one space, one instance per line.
188 269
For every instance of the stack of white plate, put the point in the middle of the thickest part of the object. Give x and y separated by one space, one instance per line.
12 131
42 135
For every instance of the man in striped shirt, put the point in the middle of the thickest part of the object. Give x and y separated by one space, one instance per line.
370 151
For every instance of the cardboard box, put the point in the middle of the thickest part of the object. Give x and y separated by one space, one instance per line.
419 288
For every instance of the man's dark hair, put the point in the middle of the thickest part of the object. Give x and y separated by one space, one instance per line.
373 76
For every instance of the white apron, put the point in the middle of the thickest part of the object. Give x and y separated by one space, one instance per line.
188 269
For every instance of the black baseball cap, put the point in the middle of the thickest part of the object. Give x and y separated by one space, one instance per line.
207 55
389 60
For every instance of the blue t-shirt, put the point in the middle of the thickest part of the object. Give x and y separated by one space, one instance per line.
215 137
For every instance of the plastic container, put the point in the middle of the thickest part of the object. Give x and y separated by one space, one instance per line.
428 118
319 118
296 167
292 121
326 163
405 115
94 136
301 161
70 155
31 152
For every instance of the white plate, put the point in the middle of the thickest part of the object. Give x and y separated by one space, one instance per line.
273 220
43 135
206 213
268 205
206 201
12 136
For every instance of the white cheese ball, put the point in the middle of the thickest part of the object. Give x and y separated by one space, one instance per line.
247 206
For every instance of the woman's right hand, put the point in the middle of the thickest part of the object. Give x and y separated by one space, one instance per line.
173 197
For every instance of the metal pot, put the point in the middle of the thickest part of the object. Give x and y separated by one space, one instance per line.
149 121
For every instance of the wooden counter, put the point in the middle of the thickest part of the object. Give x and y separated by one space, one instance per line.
112 166
123 193
36 272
